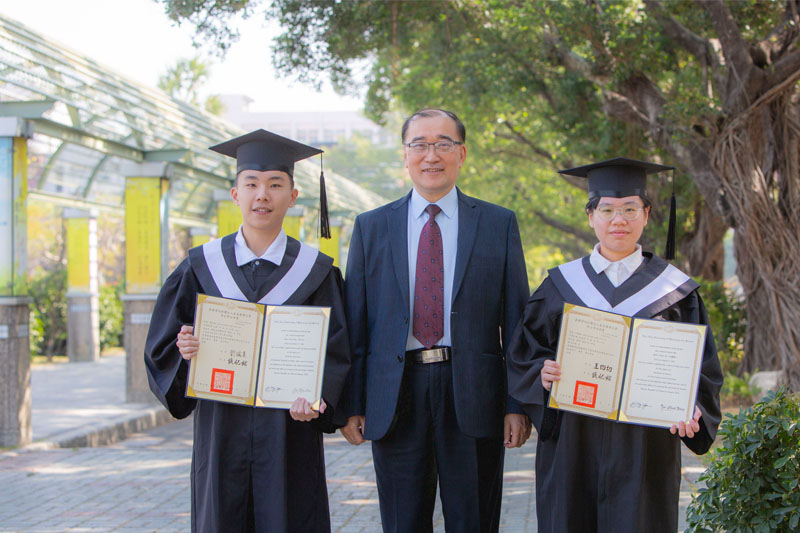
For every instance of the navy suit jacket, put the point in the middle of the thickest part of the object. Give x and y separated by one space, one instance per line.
490 288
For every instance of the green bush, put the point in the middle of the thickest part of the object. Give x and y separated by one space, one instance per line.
728 321
752 482
111 316
48 318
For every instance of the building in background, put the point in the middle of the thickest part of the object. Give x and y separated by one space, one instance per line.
317 128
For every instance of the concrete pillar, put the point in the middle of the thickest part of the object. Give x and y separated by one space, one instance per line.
15 355
15 371
83 318
229 217
333 246
293 222
146 263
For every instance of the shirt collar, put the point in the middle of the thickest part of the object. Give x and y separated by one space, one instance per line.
274 253
447 203
631 262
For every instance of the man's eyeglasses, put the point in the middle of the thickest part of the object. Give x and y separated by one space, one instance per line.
440 147
628 212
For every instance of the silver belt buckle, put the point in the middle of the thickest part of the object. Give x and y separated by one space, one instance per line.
433 355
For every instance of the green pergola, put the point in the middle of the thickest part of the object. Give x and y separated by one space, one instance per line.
92 127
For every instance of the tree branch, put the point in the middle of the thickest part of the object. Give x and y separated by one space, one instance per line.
586 236
519 136
623 108
696 45
734 47
781 38
786 67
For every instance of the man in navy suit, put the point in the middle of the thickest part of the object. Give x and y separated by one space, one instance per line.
435 285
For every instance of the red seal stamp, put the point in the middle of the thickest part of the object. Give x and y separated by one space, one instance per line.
222 381
585 394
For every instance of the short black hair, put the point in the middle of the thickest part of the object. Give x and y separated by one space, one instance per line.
432 112
591 205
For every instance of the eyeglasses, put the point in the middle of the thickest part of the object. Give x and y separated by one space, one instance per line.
440 147
628 212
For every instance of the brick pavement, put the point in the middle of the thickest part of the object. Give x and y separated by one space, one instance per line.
142 483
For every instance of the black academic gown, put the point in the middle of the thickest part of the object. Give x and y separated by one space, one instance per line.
253 469
593 474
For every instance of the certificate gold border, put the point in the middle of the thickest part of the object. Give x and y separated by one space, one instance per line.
204 300
572 309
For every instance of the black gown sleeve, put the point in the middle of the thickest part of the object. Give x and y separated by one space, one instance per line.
337 357
693 311
167 371
535 340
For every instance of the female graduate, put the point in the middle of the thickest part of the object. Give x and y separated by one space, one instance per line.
253 469
594 474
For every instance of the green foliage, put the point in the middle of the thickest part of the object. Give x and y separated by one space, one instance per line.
48 320
111 316
728 321
184 81
374 167
752 481
540 85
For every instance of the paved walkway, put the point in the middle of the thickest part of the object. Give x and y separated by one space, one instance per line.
141 483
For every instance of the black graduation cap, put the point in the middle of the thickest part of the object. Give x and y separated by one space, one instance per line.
621 177
263 150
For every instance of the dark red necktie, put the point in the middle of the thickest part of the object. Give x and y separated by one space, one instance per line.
429 283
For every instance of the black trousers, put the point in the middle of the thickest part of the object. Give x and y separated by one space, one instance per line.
425 443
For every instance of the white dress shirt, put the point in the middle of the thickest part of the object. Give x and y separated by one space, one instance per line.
617 272
447 220
273 254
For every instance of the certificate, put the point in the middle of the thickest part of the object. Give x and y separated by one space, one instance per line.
633 370
258 355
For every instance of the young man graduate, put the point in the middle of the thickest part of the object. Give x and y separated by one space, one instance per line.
253 469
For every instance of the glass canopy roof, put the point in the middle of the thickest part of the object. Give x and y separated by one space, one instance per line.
93 127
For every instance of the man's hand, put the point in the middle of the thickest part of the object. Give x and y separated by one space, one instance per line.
302 412
517 429
550 372
353 431
688 429
187 343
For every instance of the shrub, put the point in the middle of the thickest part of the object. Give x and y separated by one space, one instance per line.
111 316
728 321
752 481
48 318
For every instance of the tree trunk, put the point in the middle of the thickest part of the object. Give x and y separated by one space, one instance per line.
701 252
757 160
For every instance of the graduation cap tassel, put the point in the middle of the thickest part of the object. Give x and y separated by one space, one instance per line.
669 253
324 222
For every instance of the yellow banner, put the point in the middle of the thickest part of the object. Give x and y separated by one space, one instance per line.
291 225
199 239
78 254
332 246
229 218
142 235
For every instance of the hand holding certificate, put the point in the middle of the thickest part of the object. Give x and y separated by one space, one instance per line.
259 355
627 369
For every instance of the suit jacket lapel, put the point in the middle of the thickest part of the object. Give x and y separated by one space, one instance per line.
468 215
397 223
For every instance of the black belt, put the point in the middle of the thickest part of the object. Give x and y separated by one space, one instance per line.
430 355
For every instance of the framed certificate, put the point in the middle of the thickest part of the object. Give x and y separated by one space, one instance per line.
633 370
258 355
